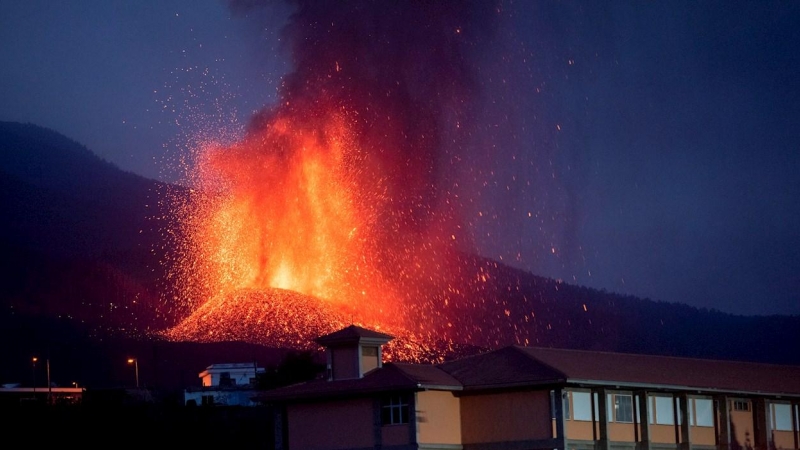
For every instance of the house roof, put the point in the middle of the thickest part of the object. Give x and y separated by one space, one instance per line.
506 367
634 370
391 377
519 367
353 334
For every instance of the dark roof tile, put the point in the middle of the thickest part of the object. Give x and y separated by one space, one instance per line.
353 333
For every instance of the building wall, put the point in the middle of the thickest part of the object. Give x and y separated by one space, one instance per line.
221 398
239 375
702 435
331 425
438 416
742 423
579 430
395 435
783 439
662 434
344 362
505 417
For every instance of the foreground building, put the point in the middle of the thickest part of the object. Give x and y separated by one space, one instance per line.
519 398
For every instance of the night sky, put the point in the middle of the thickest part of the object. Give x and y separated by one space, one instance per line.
644 148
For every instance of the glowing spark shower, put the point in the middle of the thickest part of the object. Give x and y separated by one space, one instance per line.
339 205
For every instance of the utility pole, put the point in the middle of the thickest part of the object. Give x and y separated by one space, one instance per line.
33 360
135 362
49 385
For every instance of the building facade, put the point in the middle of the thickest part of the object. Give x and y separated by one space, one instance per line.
231 384
519 398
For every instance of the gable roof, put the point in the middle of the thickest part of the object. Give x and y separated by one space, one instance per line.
390 377
634 370
506 367
353 334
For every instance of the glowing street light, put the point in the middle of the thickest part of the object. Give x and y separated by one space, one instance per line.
135 363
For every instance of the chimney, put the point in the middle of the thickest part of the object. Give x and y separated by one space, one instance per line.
353 351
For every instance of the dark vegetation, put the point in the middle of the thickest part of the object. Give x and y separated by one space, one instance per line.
154 425
82 246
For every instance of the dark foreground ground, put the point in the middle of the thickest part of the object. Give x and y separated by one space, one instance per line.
136 426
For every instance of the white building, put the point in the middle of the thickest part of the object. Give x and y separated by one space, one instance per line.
231 384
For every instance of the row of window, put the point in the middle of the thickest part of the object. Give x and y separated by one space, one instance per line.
621 408
663 410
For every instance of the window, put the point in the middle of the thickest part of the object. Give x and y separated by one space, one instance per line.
581 406
207 400
741 405
623 408
394 410
703 412
782 417
665 413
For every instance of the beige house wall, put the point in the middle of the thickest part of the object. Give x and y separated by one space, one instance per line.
742 425
783 439
702 435
579 430
507 416
438 418
331 425
662 434
621 432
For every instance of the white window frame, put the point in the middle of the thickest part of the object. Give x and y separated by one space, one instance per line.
783 423
617 405
663 419
693 416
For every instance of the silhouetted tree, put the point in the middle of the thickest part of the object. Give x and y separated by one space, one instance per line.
296 367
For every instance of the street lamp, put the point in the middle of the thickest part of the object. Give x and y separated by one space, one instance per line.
135 363
49 385
33 360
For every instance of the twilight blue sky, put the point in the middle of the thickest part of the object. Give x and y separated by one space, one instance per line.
655 144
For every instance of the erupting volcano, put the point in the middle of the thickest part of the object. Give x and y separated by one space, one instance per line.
341 204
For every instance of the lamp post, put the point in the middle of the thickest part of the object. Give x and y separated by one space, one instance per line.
33 360
49 386
135 363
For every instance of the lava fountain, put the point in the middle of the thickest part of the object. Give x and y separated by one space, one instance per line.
335 207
